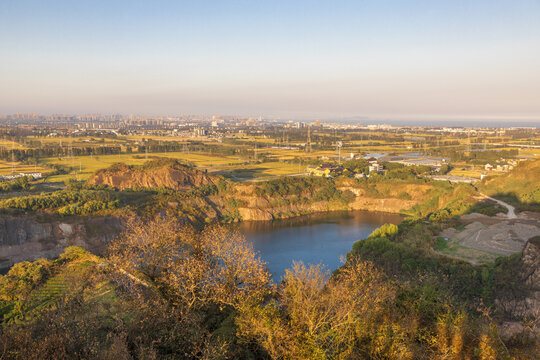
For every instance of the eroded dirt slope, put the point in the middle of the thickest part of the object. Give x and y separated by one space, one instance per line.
173 176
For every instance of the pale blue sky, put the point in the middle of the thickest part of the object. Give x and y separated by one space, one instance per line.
376 58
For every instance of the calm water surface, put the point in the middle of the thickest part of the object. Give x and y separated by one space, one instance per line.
321 238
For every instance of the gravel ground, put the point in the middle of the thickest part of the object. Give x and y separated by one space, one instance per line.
497 235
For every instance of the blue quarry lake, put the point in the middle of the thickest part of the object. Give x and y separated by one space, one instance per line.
321 238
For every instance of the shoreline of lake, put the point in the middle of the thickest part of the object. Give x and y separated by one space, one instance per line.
313 239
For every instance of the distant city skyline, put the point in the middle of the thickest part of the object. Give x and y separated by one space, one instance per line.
381 60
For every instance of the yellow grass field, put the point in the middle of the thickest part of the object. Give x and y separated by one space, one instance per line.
467 173
530 152
7 168
261 171
236 167
9 144
84 166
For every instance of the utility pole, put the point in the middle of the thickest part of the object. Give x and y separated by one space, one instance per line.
12 158
309 139
70 152
339 145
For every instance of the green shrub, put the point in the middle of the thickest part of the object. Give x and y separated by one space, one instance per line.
22 278
441 244
22 183
66 202
404 196
386 230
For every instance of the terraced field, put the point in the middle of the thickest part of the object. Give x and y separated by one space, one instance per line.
8 168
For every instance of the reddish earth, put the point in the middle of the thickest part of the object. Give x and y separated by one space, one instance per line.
176 177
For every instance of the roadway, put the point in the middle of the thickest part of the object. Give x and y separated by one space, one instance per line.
511 210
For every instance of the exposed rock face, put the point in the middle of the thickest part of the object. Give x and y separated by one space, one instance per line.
528 304
26 239
172 176
248 214
531 275
257 208
18 231
531 263
385 205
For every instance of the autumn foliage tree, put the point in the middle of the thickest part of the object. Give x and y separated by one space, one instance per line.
316 316
189 268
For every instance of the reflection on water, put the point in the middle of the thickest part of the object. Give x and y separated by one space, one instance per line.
320 238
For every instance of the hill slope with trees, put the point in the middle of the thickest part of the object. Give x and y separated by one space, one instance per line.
160 279
519 187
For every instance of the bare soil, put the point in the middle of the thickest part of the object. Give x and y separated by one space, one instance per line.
482 238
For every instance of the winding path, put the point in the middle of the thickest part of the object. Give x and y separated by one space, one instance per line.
511 210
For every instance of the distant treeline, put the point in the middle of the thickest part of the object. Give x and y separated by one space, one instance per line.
34 154
479 157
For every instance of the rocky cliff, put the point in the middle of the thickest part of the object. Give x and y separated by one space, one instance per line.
527 302
171 175
27 239
262 208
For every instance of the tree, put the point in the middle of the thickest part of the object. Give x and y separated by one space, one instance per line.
316 316
386 230
192 269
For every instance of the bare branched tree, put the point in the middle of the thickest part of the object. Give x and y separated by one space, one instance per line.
192 269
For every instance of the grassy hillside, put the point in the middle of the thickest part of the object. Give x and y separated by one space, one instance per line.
31 287
519 187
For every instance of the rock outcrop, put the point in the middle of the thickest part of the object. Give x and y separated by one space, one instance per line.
526 304
27 239
530 305
261 208
171 175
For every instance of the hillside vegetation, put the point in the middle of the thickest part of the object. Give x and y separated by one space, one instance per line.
168 292
519 187
395 298
185 192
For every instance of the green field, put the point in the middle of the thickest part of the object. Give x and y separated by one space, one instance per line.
261 171
244 165
82 167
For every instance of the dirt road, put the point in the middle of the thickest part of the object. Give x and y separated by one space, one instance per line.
511 210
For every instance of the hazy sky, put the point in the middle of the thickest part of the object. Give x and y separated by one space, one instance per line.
378 58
